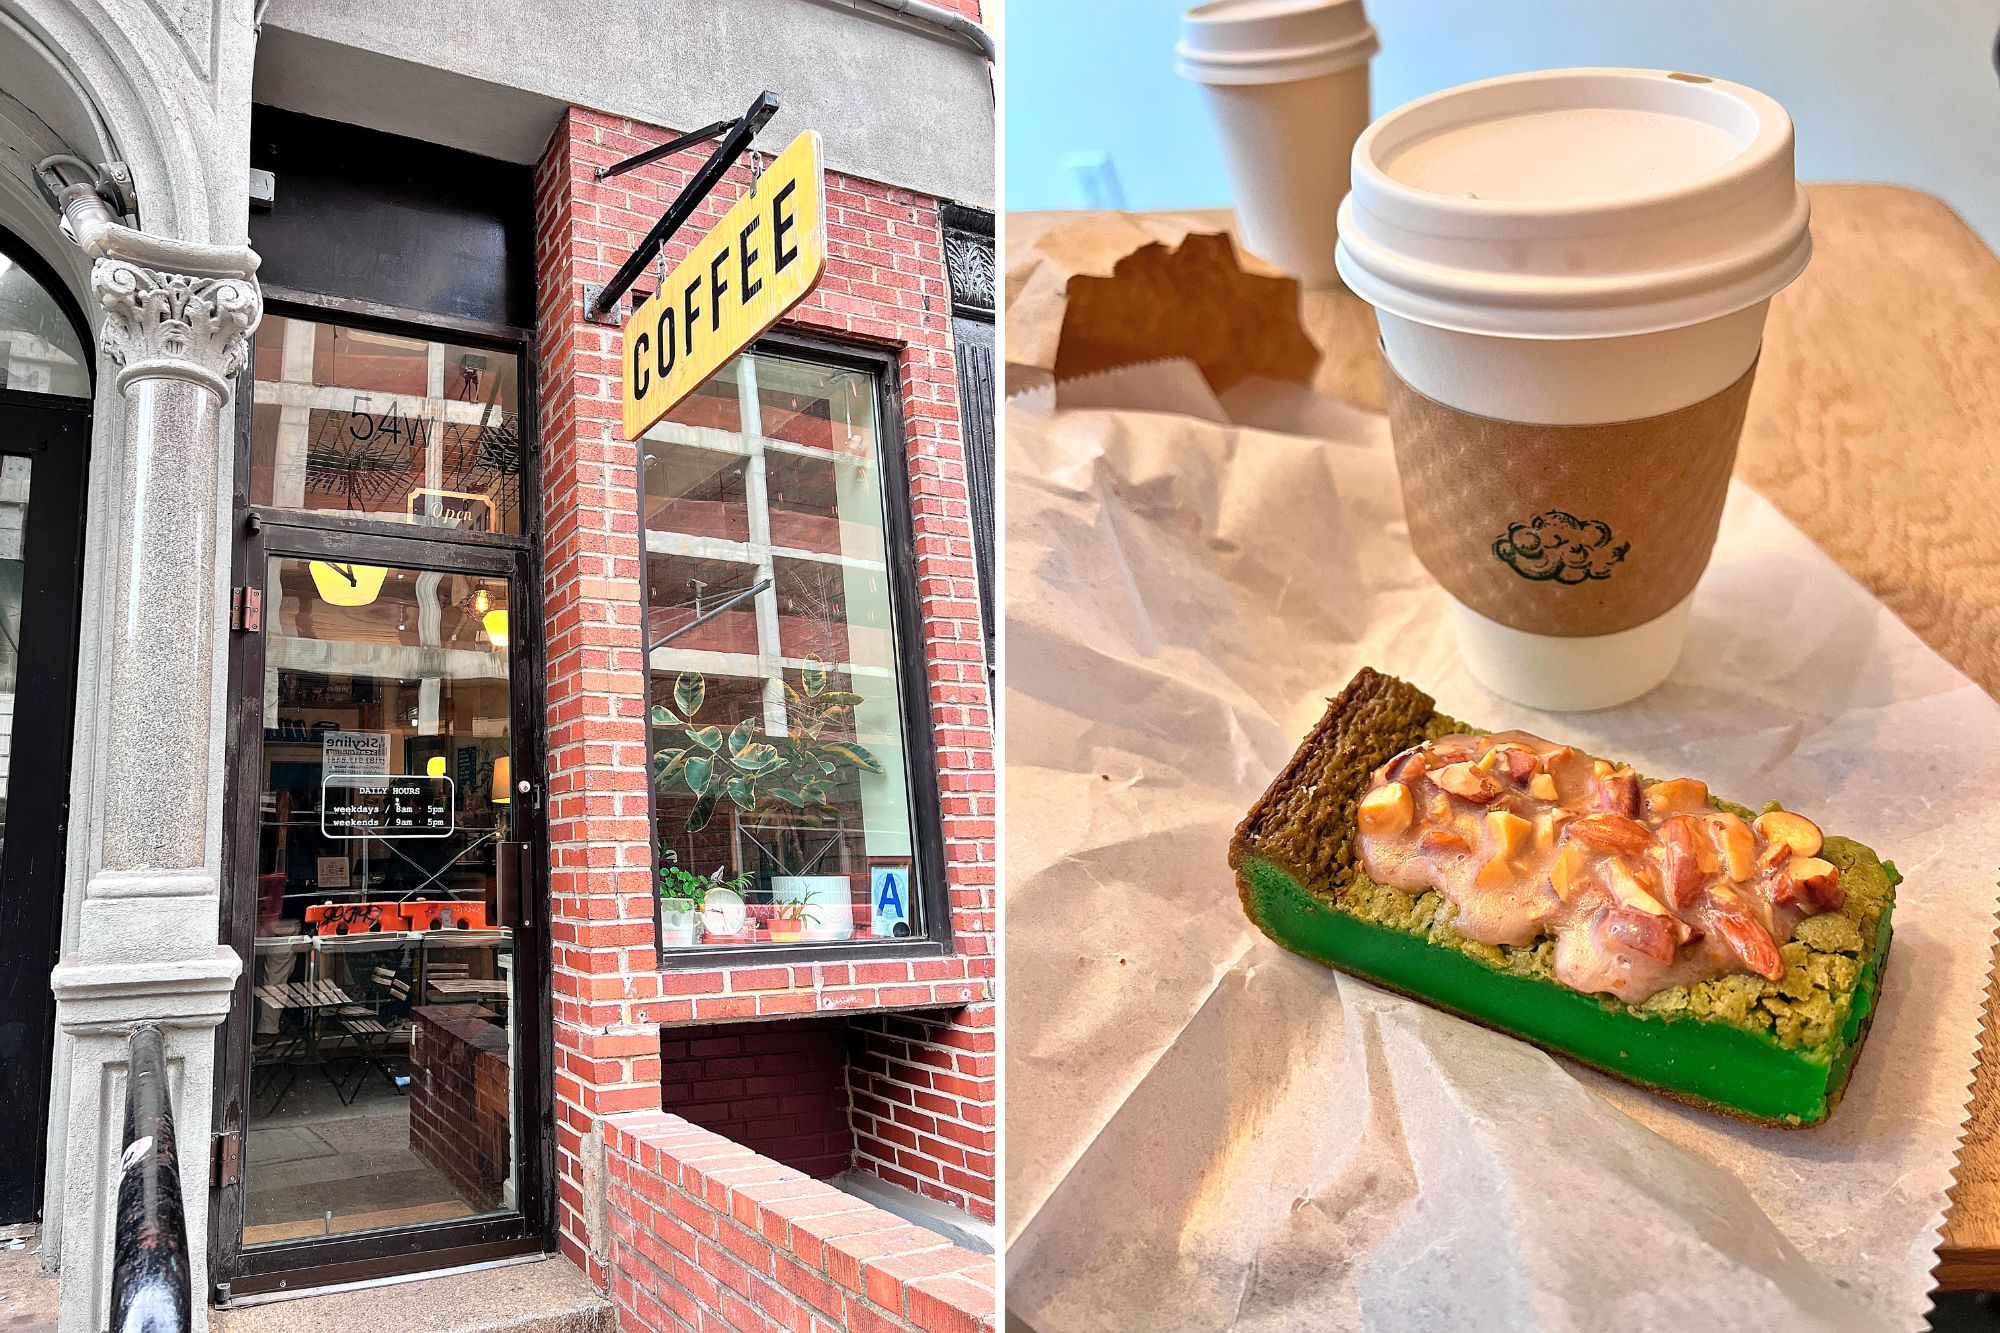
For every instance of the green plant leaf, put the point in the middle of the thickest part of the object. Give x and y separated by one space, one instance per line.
739 736
708 738
787 795
663 716
666 764
689 690
741 791
793 699
756 759
697 773
813 676
703 808
842 699
827 766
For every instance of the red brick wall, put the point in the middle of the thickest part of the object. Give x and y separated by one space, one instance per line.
779 1089
923 1105
885 286
706 1234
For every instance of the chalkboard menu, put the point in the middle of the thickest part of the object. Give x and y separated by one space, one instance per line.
400 805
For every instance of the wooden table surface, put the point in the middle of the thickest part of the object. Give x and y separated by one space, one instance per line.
1875 427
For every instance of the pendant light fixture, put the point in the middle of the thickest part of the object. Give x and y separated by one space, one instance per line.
344 583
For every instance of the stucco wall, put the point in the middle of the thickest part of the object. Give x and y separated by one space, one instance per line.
895 103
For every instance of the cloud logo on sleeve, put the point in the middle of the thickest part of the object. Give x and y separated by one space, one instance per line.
1561 548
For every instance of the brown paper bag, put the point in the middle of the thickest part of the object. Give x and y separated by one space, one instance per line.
1088 292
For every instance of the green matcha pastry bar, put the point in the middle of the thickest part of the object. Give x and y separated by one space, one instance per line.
1773 1044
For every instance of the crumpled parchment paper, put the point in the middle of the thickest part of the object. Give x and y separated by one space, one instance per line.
1204 1131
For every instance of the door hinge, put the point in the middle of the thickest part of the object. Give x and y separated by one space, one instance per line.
246 610
225 1162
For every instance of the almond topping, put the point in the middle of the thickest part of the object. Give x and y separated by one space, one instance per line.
1676 794
1386 810
1510 832
1612 833
1545 830
1407 766
1566 875
1466 782
1618 793
1627 889
1795 831
1817 880
1739 846
1683 865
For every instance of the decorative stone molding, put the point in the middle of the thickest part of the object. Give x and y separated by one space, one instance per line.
969 261
175 325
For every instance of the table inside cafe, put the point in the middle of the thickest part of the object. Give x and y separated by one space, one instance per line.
1872 427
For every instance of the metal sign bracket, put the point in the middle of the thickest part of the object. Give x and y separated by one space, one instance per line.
601 304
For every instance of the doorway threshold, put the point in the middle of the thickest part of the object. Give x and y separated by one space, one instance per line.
530 1294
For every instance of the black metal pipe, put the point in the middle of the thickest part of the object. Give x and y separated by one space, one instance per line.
150 1287
689 199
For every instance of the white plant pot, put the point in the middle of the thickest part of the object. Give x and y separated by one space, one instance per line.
680 924
832 909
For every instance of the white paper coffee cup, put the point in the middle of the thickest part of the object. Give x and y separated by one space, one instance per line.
1287 84
1571 248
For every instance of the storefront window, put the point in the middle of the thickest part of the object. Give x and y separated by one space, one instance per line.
386 426
782 797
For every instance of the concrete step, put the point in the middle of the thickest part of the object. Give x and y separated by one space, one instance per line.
28 1301
548 1296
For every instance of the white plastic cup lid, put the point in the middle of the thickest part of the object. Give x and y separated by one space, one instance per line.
1576 203
1272 41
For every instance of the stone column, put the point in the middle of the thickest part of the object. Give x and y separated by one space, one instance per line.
146 945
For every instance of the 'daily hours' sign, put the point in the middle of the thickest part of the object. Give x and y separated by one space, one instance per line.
756 263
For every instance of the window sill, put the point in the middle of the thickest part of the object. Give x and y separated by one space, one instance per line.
701 958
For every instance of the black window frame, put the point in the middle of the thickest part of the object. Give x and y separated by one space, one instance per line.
938 938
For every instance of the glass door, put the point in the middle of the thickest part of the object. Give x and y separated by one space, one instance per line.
387 1045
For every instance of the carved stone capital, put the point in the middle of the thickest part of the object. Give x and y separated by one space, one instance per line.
184 326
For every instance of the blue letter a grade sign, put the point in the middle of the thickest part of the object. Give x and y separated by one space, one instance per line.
891 887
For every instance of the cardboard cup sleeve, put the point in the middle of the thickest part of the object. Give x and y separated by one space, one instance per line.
1567 531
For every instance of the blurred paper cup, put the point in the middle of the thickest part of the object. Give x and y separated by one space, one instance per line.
1287 83
1570 271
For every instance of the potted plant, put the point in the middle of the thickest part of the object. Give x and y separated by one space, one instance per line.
791 917
782 783
681 896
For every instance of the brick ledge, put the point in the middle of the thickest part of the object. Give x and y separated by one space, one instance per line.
703 1228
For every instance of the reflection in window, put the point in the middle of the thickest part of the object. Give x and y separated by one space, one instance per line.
15 474
39 349
396 428
782 799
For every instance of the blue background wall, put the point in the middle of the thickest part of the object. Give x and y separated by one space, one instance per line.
1885 90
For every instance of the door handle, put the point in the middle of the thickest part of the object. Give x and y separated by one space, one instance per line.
508 896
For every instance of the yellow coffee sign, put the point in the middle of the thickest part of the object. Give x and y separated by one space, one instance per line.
756 263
